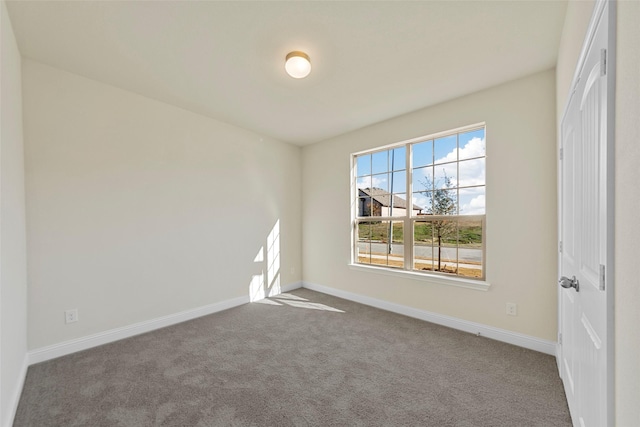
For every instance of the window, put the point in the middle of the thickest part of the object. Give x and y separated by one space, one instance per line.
420 205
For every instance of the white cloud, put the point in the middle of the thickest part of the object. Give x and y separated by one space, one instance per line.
420 200
372 182
364 182
476 206
474 148
378 182
471 172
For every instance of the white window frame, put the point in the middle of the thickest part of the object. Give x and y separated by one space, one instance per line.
409 220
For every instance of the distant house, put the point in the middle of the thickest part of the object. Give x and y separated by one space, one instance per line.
378 202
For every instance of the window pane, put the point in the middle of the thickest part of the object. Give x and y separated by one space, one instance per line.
447 255
446 176
446 149
422 201
399 159
445 246
363 246
472 201
422 179
363 165
423 246
379 201
379 234
380 182
472 144
375 246
380 162
396 253
400 205
450 247
471 172
443 202
398 237
364 182
470 248
399 183
422 154
364 205
390 206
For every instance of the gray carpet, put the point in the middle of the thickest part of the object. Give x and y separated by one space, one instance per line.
299 359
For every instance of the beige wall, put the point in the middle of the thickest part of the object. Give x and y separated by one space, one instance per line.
521 208
137 209
627 228
13 267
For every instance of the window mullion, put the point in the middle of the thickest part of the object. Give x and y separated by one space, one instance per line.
408 222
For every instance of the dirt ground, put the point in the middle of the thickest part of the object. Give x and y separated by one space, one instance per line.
424 265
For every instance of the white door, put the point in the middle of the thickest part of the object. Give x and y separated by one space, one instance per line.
585 213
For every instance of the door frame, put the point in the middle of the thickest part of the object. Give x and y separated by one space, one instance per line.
597 15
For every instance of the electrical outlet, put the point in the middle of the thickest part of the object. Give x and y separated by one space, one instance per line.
512 309
71 316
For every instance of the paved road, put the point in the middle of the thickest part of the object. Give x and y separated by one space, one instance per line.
464 254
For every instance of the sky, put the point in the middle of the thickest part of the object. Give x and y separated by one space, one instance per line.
432 160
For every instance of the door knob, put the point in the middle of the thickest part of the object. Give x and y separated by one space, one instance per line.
565 282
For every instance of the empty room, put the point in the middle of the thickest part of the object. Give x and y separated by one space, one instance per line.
310 213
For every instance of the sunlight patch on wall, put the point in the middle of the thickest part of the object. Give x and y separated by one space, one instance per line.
262 286
256 286
273 260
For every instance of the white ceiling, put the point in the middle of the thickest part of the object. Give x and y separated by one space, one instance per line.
371 60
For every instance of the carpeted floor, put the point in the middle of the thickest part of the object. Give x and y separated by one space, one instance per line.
299 359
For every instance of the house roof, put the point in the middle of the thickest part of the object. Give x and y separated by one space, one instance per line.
384 198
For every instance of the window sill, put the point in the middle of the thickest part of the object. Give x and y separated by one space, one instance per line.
478 285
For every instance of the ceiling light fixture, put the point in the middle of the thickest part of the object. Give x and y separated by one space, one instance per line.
297 64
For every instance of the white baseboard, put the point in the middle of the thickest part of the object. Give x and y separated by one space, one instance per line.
15 399
72 346
84 343
292 286
525 341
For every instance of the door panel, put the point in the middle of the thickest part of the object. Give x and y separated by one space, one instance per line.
584 239
590 143
569 341
569 260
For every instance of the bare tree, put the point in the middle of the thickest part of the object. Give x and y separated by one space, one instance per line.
442 201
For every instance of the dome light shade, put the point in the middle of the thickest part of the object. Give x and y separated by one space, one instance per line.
297 64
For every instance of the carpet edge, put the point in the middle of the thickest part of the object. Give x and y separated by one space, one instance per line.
509 337
72 346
